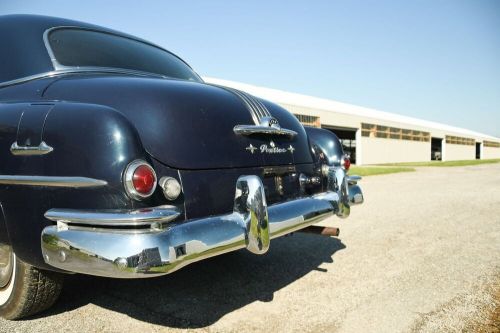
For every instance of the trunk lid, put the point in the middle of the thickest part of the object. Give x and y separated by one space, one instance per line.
188 125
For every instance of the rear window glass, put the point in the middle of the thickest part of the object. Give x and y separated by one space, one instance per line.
87 48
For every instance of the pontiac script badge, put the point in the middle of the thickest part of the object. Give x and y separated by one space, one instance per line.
270 148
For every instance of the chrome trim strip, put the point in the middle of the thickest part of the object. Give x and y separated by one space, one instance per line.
148 253
257 110
80 70
51 181
114 217
28 78
41 149
256 129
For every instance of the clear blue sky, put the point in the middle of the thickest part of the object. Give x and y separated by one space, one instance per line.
435 59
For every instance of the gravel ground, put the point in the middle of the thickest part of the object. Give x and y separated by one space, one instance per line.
421 255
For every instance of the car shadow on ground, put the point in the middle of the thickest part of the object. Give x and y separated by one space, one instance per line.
200 294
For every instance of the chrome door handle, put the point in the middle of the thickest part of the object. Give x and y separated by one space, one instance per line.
41 149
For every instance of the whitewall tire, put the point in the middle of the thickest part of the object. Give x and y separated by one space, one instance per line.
8 286
25 289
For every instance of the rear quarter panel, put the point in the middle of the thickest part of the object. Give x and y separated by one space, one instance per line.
89 141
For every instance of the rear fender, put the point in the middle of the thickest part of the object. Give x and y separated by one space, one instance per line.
88 140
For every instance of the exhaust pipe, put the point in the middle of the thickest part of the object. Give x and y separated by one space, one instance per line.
325 231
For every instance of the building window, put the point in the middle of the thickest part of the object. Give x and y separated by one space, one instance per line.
386 132
308 120
491 144
456 140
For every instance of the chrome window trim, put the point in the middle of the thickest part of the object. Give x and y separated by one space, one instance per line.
51 181
63 70
57 66
81 70
29 78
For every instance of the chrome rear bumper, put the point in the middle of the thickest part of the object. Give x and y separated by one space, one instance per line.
82 241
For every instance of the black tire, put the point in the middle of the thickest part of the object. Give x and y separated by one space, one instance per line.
29 291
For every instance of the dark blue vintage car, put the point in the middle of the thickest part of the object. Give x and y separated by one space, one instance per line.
117 160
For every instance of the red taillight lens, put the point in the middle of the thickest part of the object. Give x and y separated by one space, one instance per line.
347 163
144 179
139 180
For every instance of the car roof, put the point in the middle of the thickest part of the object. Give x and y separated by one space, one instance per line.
23 51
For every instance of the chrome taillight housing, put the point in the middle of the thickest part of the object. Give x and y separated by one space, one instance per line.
139 180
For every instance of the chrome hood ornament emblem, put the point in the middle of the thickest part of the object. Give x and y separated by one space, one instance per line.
267 125
270 122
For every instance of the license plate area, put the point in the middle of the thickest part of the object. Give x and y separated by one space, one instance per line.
281 183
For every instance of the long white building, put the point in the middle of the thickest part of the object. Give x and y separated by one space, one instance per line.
374 137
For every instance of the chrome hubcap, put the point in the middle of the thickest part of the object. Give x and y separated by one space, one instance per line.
6 264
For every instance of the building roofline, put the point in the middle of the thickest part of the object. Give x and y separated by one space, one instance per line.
280 96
